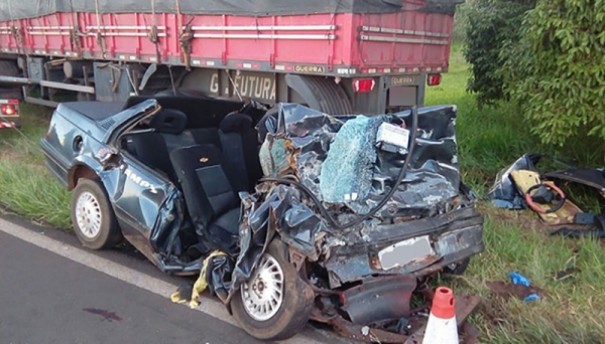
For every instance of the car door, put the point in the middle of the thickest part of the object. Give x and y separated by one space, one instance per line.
144 201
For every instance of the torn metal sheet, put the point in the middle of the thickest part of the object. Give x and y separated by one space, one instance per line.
379 299
432 181
343 163
504 193
592 177
413 332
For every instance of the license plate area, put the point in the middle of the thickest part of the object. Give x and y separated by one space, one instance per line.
405 252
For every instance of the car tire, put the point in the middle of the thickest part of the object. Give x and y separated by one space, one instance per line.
457 268
293 308
92 217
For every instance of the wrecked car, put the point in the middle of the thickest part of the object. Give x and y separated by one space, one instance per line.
292 214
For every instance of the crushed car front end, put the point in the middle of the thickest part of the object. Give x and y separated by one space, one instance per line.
368 206
417 247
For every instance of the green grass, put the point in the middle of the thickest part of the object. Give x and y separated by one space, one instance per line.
26 187
572 311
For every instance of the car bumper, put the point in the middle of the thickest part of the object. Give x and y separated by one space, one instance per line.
448 239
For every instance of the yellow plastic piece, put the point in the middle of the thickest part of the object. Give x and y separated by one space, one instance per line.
525 179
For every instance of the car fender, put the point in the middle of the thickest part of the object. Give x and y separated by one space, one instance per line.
79 162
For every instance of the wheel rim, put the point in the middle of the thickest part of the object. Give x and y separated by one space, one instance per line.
88 215
263 294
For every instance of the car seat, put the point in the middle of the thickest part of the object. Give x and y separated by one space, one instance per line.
240 149
153 148
209 196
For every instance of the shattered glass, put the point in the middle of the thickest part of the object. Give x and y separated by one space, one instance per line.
346 174
335 157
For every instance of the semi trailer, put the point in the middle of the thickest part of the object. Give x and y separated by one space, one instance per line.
337 56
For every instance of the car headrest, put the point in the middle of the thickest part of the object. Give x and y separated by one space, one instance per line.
236 122
169 121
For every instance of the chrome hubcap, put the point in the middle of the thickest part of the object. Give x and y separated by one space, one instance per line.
88 215
263 293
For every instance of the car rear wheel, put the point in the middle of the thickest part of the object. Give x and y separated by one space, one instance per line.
275 303
93 219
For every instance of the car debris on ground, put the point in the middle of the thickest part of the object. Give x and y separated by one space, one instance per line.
523 185
519 287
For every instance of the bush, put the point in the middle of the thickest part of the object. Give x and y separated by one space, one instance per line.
556 71
491 24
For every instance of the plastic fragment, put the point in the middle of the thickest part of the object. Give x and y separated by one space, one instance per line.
518 279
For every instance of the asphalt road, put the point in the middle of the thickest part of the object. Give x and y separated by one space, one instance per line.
52 291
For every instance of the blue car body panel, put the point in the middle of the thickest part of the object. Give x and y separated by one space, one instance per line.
148 207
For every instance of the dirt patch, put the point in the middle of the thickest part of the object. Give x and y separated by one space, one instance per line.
507 290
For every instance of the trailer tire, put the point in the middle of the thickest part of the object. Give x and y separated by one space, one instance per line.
295 298
9 68
321 93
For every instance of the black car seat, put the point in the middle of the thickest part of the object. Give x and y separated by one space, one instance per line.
153 148
210 198
206 136
240 149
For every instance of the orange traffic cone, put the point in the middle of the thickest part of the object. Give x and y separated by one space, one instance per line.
442 328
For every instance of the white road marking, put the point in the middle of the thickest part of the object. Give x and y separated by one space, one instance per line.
208 306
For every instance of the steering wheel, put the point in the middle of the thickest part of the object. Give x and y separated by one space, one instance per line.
535 207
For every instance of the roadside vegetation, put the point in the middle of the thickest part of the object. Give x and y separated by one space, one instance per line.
571 310
545 56
26 187
490 138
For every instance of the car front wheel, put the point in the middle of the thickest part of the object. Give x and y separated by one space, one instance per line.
275 302
93 219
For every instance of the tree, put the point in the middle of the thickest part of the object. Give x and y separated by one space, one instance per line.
491 25
555 72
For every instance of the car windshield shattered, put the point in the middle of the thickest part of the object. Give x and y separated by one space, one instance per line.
324 177
286 215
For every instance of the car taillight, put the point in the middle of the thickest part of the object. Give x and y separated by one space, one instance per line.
363 85
433 79
8 109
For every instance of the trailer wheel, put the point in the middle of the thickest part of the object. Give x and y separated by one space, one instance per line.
9 68
275 303
92 216
321 93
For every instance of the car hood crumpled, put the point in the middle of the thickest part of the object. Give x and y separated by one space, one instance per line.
338 161
337 158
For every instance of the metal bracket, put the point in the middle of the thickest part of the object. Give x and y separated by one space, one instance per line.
296 258
148 73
